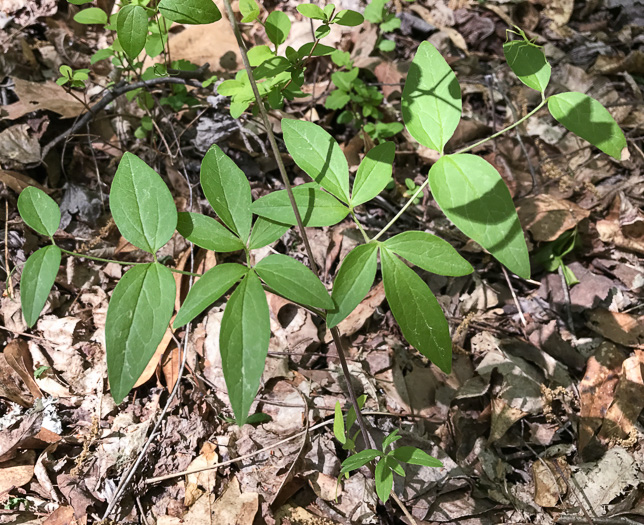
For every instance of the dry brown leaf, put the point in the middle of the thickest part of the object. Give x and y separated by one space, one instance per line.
232 508
19 144
549 485
11 387
17 472
621 328
559 11
387 73
34 96
170 365
206 479
152 364
18 356
547 218
61 516
18 182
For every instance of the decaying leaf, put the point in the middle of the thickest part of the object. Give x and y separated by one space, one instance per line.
546 217
550 481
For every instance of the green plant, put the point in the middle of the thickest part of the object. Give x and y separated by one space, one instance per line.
468 189
359 103
551 255
378 13
75 79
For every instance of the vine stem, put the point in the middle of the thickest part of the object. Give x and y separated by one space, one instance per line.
335 333
463 150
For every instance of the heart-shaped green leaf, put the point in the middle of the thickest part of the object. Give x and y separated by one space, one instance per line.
137 318
142 205
38 276
39 211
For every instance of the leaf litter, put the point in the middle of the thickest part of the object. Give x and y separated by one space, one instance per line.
541 418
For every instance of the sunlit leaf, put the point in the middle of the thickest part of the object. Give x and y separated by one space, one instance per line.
38 276
39 211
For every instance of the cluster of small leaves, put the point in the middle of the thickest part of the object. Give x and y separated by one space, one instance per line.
378 13
358 102
72 78
281 77
551 255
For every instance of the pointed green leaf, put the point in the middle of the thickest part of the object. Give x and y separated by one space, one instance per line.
374 173
317 208
417 311
415 456
384 479
588 119
208 288
431 99
207 233
227 190
91 15
137 318
245 332
338 424
391 438
142 205
351 415
353 281
474 197
311 11
429 253
132 29
38 276
348 18
529 63
39 211
359 460
293 280
266 231
318 154
249 10
393 464
190 11
278 26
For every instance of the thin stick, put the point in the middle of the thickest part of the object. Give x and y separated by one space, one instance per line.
6 248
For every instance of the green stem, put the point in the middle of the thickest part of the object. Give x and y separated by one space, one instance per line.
463 150
122 263
364 233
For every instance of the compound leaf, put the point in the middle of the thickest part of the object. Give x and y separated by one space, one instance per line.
588 119
429 253
132 29
207 233
190 11
417 311
278 26
38 276
474 197
317 208
208 288
353 282
293 280
137 318
39 211
142 205
529 63
227 190
243 341
374 173
318 154
431 99
265 231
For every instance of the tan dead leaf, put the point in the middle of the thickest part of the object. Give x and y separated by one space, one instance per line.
325 486
547 218
362 312
18 471
503 417
201 480
387 73
18 356
18 182
549 484
232 508
621 328
440 20
11 386
19 144
612 64
61 516
559 11
152 364
34 96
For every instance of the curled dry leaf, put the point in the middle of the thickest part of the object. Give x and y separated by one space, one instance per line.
621 328
546 217
35 96
550 481
17 472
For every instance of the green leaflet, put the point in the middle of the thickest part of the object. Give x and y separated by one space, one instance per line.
416 310
384 479
243 341
318 154
316 207
348 17
474 197
278 26
207 233
374 173
142 206
293 280
355 277
38 276
311 11
39 211
429 253
431 99
227 190
208 288
137 318
266 231
588 119
415 456
338 424
132 29
91 15
529 63
360 459
249 10
190 11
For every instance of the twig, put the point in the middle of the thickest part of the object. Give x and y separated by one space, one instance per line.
514 296
6 248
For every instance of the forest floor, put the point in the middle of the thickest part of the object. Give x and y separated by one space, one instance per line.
540 420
